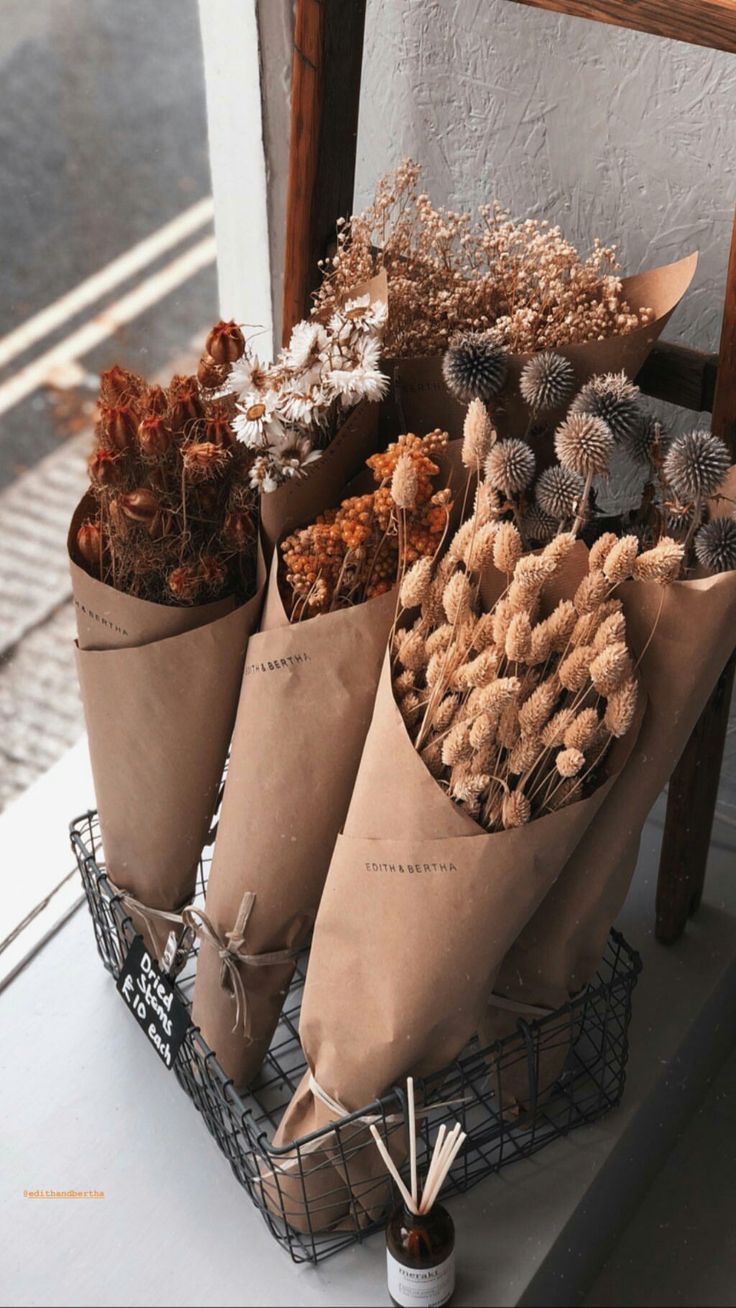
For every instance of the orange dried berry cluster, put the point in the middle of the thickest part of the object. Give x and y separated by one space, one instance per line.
352 553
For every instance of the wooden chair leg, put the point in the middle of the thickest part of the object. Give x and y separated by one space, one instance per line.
691 803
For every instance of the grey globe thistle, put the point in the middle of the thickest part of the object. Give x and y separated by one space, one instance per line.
614 399
558 492
473 367
715 545
640 445
584 443
695 465
678 520
538 525
547 381
510 466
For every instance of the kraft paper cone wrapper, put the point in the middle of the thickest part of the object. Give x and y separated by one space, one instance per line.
305 707
159 688
423 400
560 948
300 499
419 909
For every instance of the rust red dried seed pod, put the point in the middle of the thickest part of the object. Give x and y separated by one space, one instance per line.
140 505
156 400
103 468
209 373
120 424
154 436
225 342
183 583
236 529
88 542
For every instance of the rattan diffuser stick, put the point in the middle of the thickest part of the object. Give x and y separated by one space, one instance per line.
446 1149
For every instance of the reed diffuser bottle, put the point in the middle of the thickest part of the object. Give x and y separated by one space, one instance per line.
420 1256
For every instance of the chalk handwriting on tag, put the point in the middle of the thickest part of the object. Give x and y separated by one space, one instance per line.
153 1001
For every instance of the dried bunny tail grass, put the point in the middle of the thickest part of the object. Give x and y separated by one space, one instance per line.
413 652
516 810
479 550
500 695
559 549
409 706
518 638
560 624
574 670
468 785
662 564
416 583
483 731
566 793
431 757
456 745
501 615
508 729
540 646
478 435
524 755
445 712
593 589
487 505
483 632
621 708
439 639
536 711
583 731
619 563
480 671
569 762
553 733
456 598
600 550
610 632
587 627
404 681
405 483
461 540
507 548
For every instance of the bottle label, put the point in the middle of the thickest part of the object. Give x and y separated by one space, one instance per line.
429 1287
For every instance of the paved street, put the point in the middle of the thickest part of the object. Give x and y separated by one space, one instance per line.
105 177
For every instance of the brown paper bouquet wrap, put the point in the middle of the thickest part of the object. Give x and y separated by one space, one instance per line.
304 710
420 907
159 687
685 636
421 395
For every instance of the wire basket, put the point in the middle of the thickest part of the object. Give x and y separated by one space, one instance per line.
550 1076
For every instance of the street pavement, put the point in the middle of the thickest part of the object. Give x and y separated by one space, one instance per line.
103 141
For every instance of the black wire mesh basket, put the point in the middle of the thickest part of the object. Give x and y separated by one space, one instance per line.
325 1191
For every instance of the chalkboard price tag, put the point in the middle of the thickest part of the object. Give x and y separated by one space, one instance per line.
153 1001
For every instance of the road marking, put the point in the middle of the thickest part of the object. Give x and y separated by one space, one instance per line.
106 323
119 270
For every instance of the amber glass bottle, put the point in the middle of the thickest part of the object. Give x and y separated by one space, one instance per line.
420 1253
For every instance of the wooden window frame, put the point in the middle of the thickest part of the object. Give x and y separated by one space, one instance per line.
710 23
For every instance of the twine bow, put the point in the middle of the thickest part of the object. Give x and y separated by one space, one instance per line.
230 948
151 916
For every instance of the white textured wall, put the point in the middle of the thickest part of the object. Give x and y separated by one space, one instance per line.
607 132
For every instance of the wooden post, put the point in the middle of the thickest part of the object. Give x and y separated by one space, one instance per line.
325 100
693 789
702 22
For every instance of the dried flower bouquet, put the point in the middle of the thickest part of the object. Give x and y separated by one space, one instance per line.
318 398
164 562
510 288
506 709
308 692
